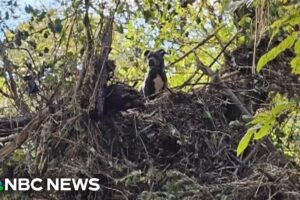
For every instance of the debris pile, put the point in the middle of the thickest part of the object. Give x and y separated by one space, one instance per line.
177 146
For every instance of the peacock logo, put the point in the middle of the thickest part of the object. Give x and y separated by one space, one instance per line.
1 186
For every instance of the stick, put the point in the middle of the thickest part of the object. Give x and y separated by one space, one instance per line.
215 77
196 47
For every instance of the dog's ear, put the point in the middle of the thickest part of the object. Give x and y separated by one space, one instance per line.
162 52
146 53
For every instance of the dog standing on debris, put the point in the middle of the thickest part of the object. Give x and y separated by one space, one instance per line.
156 79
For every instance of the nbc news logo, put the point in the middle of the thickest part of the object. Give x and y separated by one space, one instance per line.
58 184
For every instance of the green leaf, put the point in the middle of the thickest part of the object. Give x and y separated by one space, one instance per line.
32 43
297 47
294 21
46 34
58 25
295 64
28 9
46 50
6 15
245 140
120 29
41 16
280 108
55 27
276 26
261 117
76 3
245 21
263 131
147 15
2 81
273 53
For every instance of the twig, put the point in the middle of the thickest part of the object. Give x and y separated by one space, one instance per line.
215 77
7 132
186 83
11 123
8 138
89 51
226 76
71 31
139 136
97 98
201 66
4 94
196 47
23 136
255 42
222 51
20 48
252 153
10 81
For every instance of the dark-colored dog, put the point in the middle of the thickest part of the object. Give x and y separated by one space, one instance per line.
155 80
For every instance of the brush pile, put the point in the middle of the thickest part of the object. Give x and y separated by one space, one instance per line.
177 146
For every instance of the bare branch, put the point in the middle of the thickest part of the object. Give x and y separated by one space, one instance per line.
23 135
215 77
4 93
10 81
89 43
19 48
196 47
206 70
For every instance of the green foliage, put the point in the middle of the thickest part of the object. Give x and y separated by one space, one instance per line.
132 178
243 144
56 26
295 63
266 122
175 28
273 53
286 21
289 20
278 118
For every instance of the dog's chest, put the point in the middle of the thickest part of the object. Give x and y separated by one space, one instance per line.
158 83
154 82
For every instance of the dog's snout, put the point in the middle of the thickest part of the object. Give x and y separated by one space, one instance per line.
151 62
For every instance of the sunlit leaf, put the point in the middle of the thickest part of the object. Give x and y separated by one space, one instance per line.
295 64
263 131
297 47
243 144
273 53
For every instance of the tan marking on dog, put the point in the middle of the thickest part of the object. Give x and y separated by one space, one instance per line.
158 84
141 88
